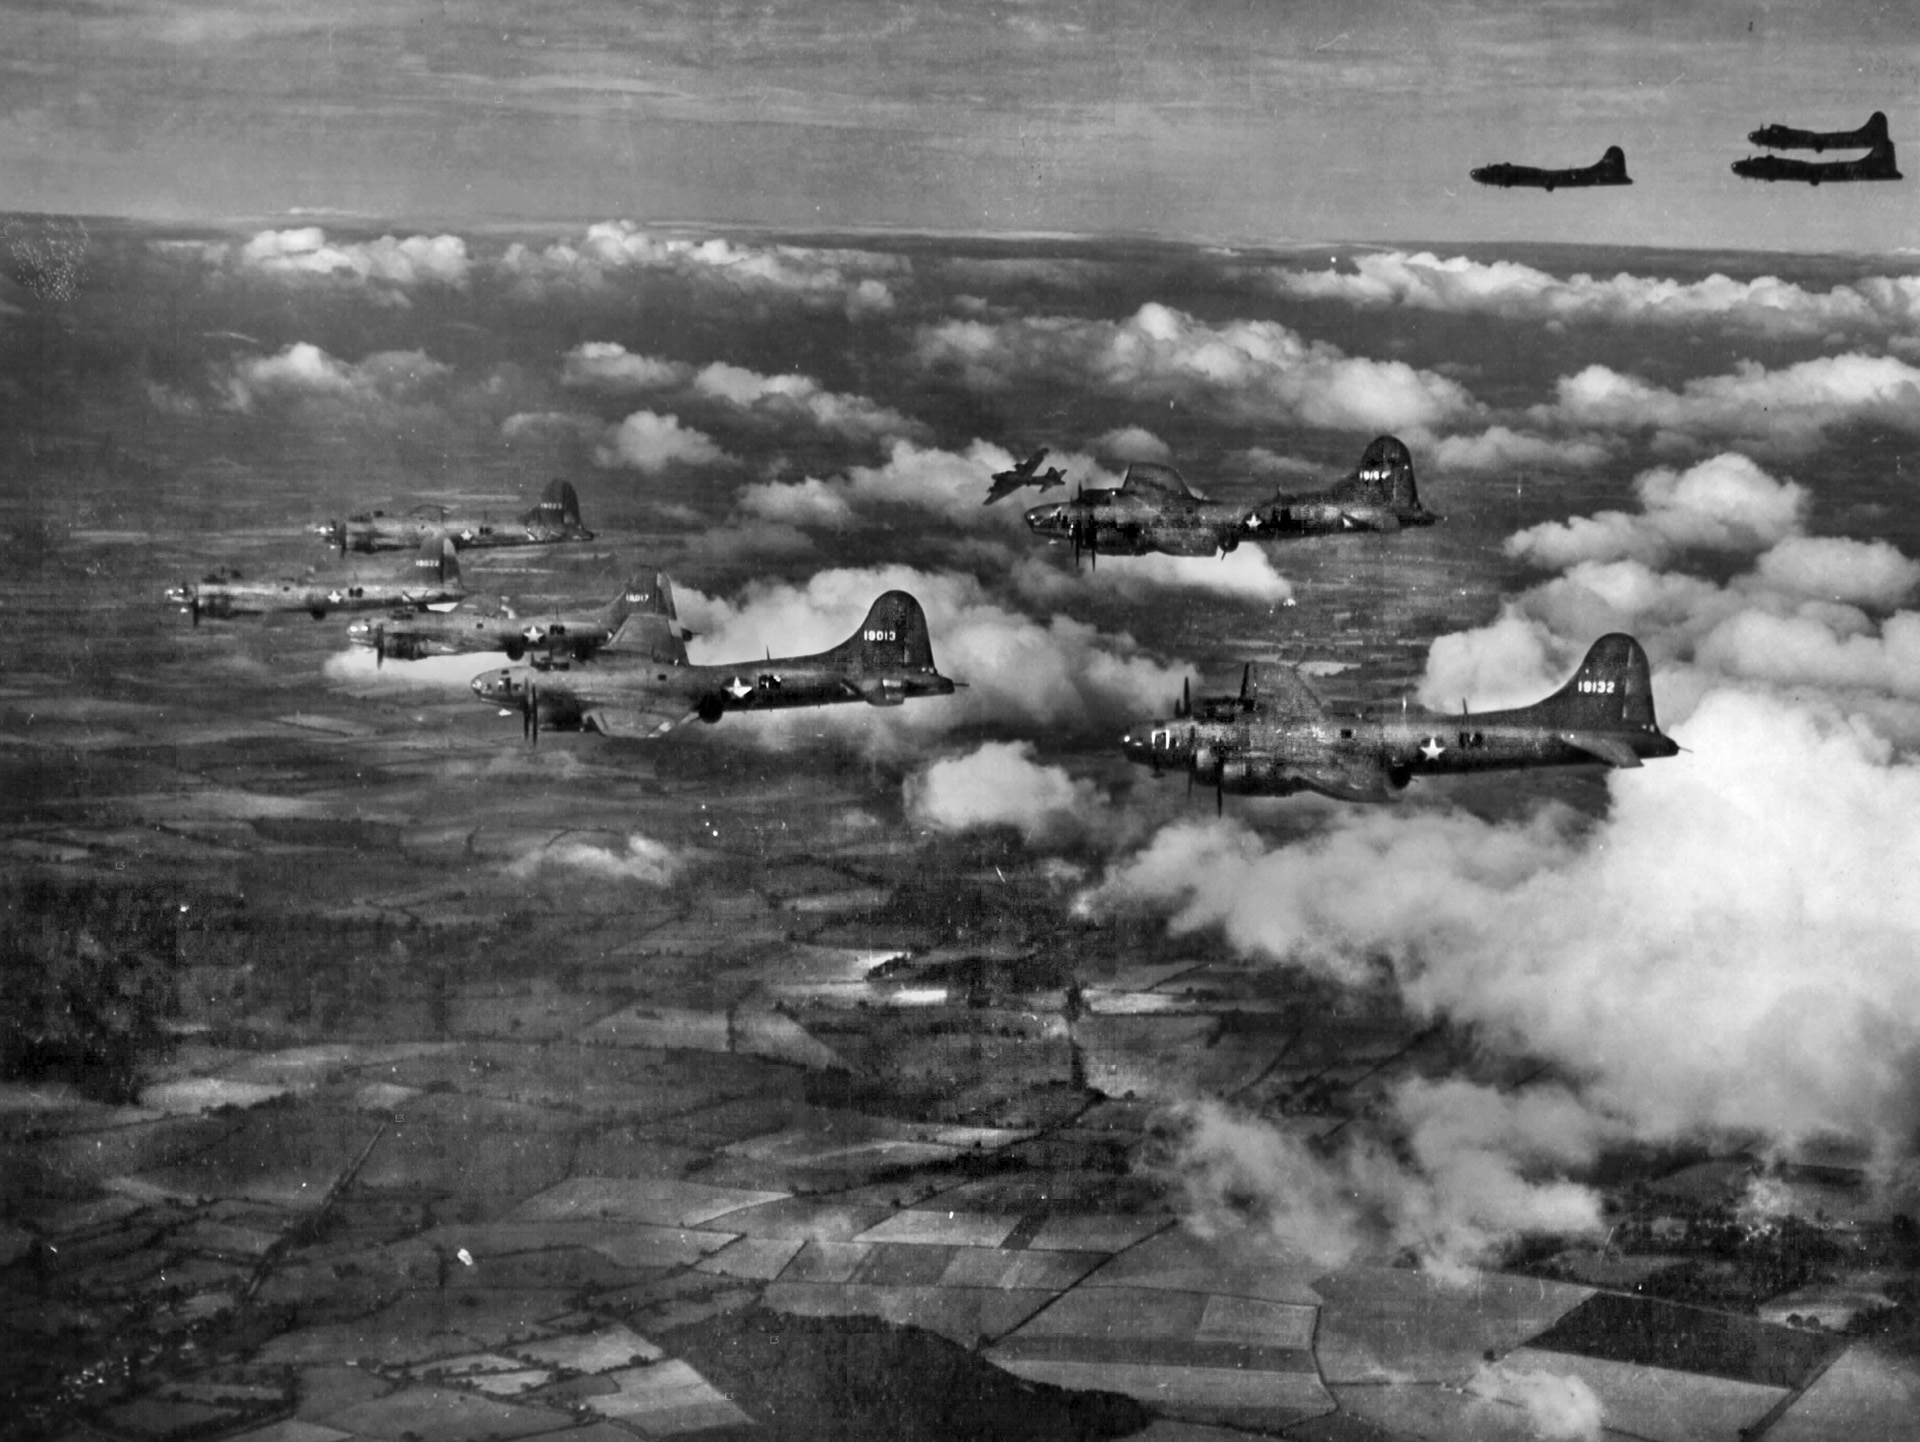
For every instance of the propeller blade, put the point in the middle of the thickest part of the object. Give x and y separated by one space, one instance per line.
379 647
193 607
1220 791
533 709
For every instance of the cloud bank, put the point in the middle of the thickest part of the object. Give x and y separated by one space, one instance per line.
1246 371
1765 306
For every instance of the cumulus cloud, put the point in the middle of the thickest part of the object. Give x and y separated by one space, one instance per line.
1685 983
1765 305
791 398
858 283
642 860
1059 674
1445 1179
303 373
388 266
1133 443
1725 503
779 400
608 365
1786 411
652 444
1001 784
1811 612
1558 1408
1252 371
1244 574
1501 448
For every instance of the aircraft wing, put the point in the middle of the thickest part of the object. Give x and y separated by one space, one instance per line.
1281 693
637 722
653 636
1610 749
1347 778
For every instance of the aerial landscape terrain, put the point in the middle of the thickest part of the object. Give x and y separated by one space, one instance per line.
1187 723
931 1070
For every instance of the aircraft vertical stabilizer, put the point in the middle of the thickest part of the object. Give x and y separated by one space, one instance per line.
1612 689
438 561
1386 474
894 634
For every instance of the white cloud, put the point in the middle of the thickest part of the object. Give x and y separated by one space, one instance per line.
389 266
304 372
1725 503
643 860
608 365
1558 1408
1700 958
653 443
855 282
1501 448
1859 573
1252 371
1765 305
1785 411
789 398
1449 1181
1133 443
1244 574
1000 784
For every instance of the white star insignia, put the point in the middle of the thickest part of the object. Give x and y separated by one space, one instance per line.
335 597
1432 749
1253 522
739 689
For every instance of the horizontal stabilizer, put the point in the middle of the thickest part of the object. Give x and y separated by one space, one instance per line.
1609 749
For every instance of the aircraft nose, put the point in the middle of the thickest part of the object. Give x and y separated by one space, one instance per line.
1044 519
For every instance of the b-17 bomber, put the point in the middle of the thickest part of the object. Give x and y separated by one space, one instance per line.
1785 137
1379 495
556 518
1022 474
1877 164
1609 169
1153 509
887 662
639 622
431 579
1277 737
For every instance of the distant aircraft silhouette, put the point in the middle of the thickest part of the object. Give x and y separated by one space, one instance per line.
1609 169
1876 164
1024 473
1784 137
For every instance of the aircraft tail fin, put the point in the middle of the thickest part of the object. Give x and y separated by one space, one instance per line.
438 561
1874 132
1613 165
893 635
1386 474
1613 689
558 508
643 620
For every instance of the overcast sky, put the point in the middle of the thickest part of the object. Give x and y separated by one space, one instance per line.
1227 120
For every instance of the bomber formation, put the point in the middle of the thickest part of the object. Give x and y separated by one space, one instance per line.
622 670
1611 169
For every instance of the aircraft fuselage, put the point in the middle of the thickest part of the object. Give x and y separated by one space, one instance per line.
1129 523
1251 756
